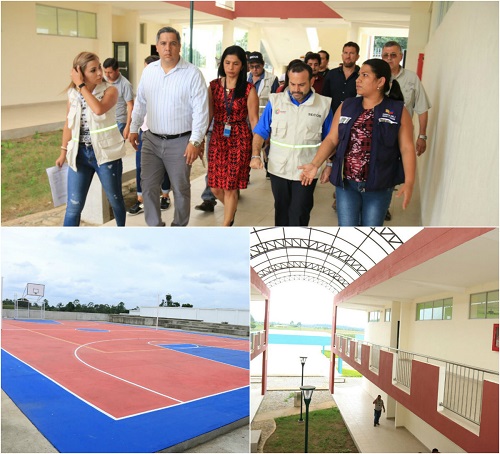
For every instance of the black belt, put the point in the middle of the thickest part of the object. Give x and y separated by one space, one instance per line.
173 136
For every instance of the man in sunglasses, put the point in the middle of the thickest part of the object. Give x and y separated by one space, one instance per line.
265 83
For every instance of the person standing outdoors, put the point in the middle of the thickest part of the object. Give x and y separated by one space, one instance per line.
416 99
371 147
125 103
232 100
379 406
174 95
91 141
297 120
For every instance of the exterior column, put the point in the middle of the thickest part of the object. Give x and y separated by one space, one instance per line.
332 355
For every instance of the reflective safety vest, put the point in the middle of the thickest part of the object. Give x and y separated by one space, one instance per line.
295 132
265 86
107 142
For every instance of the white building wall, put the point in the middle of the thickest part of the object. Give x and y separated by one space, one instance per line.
462 148
230 316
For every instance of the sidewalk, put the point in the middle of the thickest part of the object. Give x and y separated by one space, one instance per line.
255 208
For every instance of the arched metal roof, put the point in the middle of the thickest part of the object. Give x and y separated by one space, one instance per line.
332 257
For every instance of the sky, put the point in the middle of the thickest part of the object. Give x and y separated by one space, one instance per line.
307 303
206 267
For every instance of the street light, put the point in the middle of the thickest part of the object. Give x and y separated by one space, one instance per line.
308 392
302 361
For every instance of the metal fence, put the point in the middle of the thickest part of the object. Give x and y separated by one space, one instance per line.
463 385
463 391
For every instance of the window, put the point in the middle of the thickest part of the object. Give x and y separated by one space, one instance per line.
65 22
374 316
388 315
484 305
435 310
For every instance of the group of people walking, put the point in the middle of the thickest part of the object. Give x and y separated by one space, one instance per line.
365 140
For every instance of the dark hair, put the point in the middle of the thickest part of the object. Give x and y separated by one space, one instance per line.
382 69
151 59
241 83
326 53
168 30
392 44
312 56
110 63
351 44
298 66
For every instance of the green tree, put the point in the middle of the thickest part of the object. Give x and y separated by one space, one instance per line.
379 41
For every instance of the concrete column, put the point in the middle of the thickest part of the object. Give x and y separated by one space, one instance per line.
254 37
227 34
418 35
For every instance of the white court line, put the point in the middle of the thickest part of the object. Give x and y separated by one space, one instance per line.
63 387
115 376
201 357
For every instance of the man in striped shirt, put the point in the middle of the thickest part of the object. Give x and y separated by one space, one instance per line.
174 95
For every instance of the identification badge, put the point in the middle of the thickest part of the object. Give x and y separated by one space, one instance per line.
227 130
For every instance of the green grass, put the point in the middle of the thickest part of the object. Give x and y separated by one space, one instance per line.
25 186
327 433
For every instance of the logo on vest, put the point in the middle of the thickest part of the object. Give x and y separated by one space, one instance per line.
388 115
314 115
279 111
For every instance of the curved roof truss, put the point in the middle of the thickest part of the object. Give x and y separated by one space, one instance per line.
332 257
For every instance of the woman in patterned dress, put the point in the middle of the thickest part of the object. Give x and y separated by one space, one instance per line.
234 107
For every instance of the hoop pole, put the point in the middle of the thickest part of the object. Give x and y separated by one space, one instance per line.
157 311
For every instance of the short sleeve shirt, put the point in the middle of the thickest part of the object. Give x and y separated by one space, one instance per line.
416 99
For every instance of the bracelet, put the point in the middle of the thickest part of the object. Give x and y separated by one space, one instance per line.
64 148
254 157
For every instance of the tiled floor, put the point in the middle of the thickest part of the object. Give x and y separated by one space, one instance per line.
256 206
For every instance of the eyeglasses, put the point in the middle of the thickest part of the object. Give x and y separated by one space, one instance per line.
255 66
393 55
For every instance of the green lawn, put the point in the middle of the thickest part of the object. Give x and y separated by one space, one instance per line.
327 433
25 186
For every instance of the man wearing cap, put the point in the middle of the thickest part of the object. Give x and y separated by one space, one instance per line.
265 83
296 120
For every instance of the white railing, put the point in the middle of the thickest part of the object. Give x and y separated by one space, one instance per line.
463 384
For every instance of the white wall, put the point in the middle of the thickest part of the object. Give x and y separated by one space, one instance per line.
231 316
459 172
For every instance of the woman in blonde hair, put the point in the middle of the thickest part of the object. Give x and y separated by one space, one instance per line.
91 141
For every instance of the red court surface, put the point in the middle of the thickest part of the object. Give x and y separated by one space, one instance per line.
122 370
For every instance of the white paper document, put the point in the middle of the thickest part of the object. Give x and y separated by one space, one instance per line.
58 179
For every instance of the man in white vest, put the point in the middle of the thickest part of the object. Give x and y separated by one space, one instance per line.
296 120
265 83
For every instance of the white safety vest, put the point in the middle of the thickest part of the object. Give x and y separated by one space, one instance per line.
295 132
107 142
265 90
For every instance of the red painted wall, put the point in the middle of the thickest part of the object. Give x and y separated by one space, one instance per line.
423 399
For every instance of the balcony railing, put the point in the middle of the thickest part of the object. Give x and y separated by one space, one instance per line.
257 341
463 384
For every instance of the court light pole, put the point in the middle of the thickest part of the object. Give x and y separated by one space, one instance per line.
308 392
302 361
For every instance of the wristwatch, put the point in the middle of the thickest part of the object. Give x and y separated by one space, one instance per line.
422 136
195 143
81 85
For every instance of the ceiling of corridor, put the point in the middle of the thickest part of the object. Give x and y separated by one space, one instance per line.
284 24
331 257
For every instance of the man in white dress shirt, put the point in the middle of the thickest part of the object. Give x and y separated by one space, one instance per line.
174 95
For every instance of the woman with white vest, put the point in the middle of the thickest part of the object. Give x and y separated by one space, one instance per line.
91 141
371 149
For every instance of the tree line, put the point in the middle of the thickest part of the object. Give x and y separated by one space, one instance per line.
71 306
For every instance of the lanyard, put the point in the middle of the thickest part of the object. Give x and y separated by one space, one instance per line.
229 107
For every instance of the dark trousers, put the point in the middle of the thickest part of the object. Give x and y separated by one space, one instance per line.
292 201
376 416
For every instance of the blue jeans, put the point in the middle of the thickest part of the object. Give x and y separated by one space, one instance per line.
110 175
357 207
165 184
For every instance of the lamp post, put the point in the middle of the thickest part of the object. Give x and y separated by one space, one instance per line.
302 361
308 392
